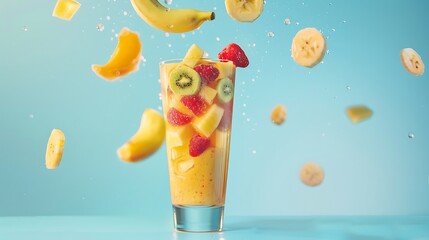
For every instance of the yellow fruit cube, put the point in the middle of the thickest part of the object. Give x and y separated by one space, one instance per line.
358 113
193 55
179 136
174 102
208 94
208 122
226 69
65 9
178 152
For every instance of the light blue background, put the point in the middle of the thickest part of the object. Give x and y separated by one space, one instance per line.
371 168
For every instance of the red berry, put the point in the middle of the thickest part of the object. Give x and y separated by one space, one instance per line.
198 145
234 53
195 103
177 118
208 73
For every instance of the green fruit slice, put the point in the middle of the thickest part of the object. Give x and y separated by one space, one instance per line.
225 90
184 81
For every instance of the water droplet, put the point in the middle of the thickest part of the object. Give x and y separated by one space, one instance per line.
287 21
183 35
270 34
100 27
31 115
348 87
167 34
254 45
248 119
215 8
244 105
206 54
116 35
254 151
125 13
168 2
25 28
169 45
217 39
108 18
243 113
297 23
143 59
333 29
411 135
344 21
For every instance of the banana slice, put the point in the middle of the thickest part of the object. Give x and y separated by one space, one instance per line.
312 174
412 61
244 10
54 149
308 47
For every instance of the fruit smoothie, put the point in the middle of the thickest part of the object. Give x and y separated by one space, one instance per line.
198 96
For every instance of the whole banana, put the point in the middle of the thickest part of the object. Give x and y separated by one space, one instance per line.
148 138
170 20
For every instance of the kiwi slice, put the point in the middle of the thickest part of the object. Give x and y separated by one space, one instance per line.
225 90
184 81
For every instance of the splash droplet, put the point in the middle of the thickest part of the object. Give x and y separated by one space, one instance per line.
254 151
100 27
287 21
168 2
348 87
108 18
411 135
125 13
270 34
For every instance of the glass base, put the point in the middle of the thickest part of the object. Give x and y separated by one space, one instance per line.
198 218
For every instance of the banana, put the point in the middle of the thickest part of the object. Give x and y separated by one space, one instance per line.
170 20
308 47
124 60
244 10
54 149
146 140
412 61
312 174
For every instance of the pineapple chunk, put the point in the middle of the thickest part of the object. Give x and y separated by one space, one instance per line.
358 113
175 103
178 152
193 55
208 94
65 9
179 136
226 69
207 123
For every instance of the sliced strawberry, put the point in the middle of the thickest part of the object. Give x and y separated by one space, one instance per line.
198 145
208 73
234 53
194 103
177 118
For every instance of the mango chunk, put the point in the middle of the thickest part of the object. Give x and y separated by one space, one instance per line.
65 9
358 113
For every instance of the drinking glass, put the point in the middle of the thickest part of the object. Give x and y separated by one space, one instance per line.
198 132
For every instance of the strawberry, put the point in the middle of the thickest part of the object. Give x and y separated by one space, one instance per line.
234 53
195 103
177 118
208 73
198 145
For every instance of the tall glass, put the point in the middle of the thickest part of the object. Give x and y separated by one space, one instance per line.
198 140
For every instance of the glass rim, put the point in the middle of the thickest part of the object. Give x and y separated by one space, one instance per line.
178 60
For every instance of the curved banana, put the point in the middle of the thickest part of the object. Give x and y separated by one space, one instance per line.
146 140
124 60
170 20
